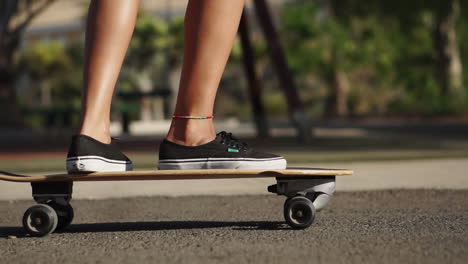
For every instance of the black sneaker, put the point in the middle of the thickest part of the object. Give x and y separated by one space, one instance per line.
224 152
89 155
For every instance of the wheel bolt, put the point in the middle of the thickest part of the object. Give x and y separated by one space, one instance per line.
299 213
37 221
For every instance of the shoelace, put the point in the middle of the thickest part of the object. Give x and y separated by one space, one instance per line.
232 141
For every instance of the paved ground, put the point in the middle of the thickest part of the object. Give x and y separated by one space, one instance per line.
371 226
412 226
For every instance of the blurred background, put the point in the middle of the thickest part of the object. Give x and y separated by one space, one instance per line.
321 82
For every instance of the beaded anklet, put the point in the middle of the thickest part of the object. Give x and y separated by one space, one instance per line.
192 117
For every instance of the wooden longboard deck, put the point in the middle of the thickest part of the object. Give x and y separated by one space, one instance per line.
177 175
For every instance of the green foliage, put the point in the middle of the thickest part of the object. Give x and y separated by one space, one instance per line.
45 59
58 66
155 49
176 41
275 105
386 49
150 37
319 44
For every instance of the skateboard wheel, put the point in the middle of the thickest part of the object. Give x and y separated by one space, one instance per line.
299 212
64 213
40 220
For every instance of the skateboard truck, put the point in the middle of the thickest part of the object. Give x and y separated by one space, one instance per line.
56 191
305 197
53 211
318 189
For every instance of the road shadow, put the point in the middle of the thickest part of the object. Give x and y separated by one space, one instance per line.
19 232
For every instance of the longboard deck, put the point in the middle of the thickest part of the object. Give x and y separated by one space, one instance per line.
177 175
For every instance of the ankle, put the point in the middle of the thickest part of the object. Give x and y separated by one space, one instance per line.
101 136
191 132
106 139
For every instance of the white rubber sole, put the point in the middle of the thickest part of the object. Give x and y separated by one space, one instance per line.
222 163
95 164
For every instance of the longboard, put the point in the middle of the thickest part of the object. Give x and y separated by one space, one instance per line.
307 190
177 175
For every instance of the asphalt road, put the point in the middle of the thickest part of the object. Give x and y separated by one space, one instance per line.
412 226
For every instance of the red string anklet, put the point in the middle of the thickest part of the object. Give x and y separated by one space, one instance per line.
192 117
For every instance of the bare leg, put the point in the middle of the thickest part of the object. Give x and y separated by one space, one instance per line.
210 31
108 33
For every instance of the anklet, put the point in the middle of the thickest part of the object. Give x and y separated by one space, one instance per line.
193 117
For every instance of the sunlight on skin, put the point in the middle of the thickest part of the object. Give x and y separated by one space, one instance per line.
210 30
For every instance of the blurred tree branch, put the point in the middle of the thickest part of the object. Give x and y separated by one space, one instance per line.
15 17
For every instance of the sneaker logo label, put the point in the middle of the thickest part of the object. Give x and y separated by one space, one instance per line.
232 150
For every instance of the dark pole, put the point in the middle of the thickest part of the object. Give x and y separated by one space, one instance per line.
254 83
295 106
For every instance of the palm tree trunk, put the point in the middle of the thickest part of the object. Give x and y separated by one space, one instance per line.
9 109
254 83
336 105
449 65
295 106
